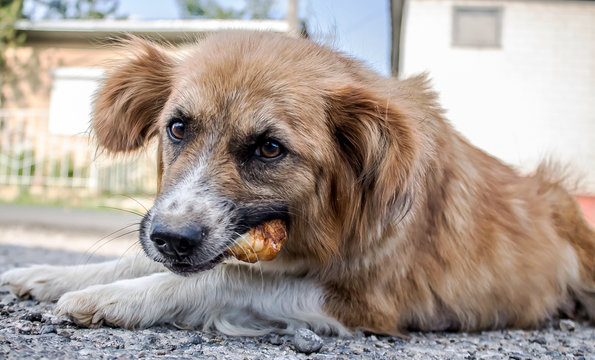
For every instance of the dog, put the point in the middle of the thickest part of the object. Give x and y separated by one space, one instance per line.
395 222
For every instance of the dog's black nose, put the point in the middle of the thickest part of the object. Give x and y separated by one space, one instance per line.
179 243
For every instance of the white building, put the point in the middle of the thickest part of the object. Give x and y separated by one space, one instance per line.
517 77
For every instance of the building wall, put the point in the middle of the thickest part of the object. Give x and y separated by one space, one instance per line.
531 98
44 120
27 80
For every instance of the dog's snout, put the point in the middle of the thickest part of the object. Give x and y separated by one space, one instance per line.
179 243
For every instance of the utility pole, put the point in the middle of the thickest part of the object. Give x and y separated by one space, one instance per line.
396 17
292 17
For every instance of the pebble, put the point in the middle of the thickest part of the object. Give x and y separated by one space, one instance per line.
47 329
25 330
64 333
517 356
56 320
306 341
27 303
274 339
32 316
151 340
567 325
8 300
84 352
539 340
194 340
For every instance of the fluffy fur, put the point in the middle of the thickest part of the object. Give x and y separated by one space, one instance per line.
395 221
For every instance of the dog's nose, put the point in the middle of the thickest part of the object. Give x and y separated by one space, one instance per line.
179 243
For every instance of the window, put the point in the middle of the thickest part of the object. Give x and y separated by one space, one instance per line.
71 101
477 26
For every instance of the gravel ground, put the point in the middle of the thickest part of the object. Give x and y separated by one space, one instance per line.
28 330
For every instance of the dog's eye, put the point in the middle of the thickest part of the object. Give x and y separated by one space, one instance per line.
269 150
175 130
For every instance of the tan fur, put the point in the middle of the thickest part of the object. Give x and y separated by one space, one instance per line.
132 97
404 223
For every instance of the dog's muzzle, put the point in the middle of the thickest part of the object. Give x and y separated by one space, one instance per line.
193 241
180 246
177 244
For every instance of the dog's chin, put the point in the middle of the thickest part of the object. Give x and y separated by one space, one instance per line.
183 268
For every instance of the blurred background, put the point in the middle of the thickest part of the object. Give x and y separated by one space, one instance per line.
517 77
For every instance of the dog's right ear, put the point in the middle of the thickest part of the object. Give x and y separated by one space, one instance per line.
132 97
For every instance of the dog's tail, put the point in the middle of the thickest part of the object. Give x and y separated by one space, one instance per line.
572 226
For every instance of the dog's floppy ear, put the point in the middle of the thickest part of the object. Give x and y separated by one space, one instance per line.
378 146
132 96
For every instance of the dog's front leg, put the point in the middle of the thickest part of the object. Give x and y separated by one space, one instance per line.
234 299
49 282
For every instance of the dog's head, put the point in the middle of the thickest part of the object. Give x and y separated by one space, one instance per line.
254 127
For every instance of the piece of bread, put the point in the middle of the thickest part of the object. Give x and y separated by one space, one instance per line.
261 243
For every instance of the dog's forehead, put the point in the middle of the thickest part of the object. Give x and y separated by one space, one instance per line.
216 88
232 109
228 65
246 88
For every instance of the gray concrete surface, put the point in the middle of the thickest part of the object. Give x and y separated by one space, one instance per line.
29 330
71 220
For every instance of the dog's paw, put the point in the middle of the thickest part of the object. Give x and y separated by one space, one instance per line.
42 282
110 304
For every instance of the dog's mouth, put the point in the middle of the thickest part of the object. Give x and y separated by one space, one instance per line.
184 268
261 243
252 219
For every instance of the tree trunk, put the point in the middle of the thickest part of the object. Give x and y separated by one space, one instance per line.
396 17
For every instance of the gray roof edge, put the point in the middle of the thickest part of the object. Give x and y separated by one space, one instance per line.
150 26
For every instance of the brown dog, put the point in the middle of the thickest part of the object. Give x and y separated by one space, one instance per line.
394 220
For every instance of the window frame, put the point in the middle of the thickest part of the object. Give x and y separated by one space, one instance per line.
61 76
456 11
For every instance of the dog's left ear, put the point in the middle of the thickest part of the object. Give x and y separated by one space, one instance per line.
378 144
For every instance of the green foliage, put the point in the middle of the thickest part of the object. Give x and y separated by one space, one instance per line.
259 9
10 11
26 169
210 9
78 9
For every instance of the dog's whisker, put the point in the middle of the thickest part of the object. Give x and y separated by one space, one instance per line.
123 256
124 210
236 242
259 267
258 263
134 243
136 201
112 239
91 250
139 253
128 249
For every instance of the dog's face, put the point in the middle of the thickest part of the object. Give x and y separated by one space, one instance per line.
235 153
254 127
